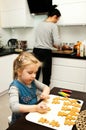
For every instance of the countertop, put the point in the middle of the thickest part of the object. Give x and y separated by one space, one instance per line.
66 54
55 53
5 52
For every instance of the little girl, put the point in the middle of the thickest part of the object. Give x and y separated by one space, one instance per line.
25 90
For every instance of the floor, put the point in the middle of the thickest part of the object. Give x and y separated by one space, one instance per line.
4 111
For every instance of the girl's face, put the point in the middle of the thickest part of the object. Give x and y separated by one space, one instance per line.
28 74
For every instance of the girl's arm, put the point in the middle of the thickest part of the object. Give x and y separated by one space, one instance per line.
44 88
17 107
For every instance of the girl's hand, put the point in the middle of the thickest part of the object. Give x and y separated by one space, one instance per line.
42 107
44 96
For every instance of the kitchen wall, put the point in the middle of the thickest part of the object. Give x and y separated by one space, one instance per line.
5 34
67 33
23 33
73 33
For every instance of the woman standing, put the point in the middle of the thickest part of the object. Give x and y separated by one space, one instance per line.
46 37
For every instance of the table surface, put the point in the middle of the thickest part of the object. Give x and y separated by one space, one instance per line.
23 124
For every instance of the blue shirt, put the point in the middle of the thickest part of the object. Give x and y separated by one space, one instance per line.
26 95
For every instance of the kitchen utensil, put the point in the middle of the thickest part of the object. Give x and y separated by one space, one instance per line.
12 43
22 44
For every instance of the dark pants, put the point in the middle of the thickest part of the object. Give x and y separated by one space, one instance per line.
45 56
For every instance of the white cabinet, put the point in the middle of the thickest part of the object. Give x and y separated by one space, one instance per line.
69 73
15 13
6 73
72 12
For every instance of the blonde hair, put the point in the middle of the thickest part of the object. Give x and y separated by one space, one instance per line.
23 59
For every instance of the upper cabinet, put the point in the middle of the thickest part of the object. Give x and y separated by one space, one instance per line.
15 13
73 12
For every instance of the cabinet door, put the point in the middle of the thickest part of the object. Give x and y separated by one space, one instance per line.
68 85
69 77
69 73
7 5
6 71
15 14
13 18
72 12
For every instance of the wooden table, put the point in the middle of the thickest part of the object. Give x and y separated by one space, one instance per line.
23 124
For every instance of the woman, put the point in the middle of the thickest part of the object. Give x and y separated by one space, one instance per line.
46 37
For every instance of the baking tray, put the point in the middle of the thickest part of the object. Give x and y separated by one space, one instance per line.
52 114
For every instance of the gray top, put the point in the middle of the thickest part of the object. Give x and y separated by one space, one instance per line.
14 95
46 35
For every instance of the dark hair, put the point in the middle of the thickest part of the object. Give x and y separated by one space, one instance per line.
53 11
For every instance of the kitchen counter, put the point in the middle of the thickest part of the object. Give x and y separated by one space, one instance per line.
55 53
66 54
5 52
